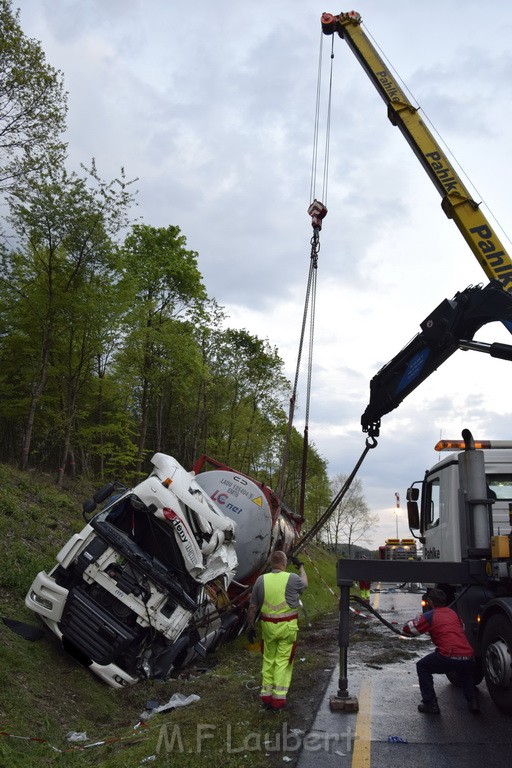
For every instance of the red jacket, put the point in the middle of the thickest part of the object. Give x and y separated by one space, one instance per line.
446 630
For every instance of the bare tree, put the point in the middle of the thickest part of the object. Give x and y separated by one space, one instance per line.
351 521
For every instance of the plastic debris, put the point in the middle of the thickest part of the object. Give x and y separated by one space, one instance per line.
176 700
77 736
396 740
149 759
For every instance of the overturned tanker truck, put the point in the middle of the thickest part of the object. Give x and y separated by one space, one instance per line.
162 574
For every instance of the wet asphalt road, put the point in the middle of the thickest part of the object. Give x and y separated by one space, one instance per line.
388 699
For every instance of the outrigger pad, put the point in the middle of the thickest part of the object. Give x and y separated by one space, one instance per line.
27 631
348 704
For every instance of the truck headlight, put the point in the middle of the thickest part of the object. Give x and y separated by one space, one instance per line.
42 601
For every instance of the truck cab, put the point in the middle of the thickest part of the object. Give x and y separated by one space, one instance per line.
445 522
445 516
157 577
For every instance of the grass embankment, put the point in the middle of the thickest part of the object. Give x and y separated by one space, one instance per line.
46 695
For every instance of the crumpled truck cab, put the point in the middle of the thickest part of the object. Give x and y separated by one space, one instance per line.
136 594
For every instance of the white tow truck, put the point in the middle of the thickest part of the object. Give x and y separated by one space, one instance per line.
460 511
464 516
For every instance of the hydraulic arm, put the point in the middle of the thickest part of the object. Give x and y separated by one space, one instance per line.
449 327
456 200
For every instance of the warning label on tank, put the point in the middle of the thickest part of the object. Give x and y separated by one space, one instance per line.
235 489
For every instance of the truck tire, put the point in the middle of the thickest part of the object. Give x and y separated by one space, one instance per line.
497 661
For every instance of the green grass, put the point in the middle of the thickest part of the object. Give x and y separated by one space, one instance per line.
46 695
321 596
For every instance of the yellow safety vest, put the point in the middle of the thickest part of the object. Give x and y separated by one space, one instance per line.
275 608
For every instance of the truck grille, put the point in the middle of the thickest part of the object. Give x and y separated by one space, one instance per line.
93 630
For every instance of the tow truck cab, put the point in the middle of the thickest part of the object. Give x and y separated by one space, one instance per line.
464 516
465 503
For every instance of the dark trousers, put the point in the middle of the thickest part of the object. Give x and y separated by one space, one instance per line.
435 664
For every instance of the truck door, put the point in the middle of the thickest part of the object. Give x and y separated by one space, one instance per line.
431 518
440 514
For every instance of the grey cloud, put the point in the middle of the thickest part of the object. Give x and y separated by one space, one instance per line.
211 105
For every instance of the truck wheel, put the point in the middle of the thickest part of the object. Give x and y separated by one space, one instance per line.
497 659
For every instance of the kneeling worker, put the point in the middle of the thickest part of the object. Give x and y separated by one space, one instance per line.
276 595
453 653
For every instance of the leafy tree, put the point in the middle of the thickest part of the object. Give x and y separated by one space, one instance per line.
195 435
33 103
177 416
244 419
165 286
245 398
317 496
351 520
106 434
54 280
317 491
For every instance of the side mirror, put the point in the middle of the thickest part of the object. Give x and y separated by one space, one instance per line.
103 493
98 496
413 512
413 494
88 508
413 515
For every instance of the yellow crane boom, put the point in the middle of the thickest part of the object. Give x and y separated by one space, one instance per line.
457 203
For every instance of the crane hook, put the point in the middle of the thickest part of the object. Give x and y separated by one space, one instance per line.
317 211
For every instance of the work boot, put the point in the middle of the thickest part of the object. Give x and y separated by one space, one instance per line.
473 705
429 707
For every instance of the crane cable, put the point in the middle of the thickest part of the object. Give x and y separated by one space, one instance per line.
316 132
317 211
371 442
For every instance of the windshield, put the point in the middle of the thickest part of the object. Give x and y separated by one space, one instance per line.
500 486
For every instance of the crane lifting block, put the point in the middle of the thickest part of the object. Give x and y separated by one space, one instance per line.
350 704
317 211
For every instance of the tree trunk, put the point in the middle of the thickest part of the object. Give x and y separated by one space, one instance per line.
37 391
67 452
143 428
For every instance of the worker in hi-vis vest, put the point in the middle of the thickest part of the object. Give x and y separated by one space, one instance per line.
276 596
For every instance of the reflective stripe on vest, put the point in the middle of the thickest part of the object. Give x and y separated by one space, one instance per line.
275 608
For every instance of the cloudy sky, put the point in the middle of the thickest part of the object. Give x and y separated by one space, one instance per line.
211 104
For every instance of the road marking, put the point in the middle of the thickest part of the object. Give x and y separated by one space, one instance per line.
363 732
376 598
